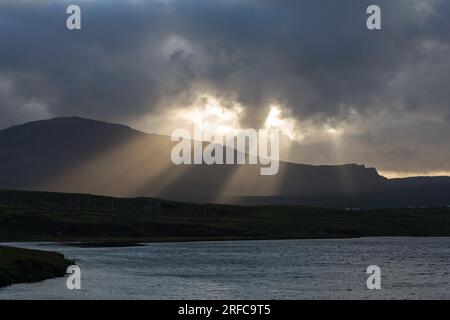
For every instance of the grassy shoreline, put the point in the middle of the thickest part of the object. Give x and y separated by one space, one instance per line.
26 266
142 242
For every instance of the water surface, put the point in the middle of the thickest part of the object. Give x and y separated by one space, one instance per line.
412 268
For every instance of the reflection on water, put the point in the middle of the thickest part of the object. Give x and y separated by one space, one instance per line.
412 268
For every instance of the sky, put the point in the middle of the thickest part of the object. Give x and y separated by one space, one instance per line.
339 92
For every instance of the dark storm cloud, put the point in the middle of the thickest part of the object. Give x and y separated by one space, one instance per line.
314 57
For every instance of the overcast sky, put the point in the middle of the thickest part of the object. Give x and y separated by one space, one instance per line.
380 98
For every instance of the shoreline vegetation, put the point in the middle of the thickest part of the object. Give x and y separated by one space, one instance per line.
26 266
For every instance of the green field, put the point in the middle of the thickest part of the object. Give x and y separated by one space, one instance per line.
34 216
21 265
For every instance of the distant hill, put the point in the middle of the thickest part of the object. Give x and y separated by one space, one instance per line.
86 156
106 221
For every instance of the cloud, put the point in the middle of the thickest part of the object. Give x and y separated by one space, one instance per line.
386 91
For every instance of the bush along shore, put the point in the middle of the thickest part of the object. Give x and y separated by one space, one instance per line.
24 265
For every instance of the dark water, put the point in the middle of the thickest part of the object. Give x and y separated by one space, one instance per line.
412 268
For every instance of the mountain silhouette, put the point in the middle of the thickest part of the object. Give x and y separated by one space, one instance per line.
79 155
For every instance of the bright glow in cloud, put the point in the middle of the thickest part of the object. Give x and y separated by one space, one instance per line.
287 126
211 117
218 118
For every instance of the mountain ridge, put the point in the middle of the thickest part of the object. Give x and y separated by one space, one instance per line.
74 154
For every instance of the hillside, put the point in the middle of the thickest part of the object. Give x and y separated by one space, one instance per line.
37 216
86 156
